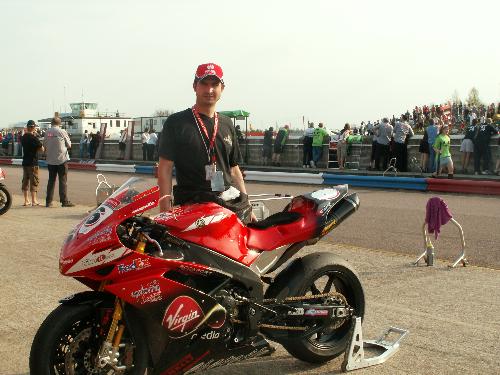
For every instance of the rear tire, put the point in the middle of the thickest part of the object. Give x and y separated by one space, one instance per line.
62 337
5 200
307 276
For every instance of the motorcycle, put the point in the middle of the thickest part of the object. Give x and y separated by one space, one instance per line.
5 197
194 288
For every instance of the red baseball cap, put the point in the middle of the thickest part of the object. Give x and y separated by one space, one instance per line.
209 69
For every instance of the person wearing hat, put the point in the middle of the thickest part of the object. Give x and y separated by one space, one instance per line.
57 144
31 146
203 146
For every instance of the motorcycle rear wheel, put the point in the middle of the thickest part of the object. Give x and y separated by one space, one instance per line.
5 200
315 274
63 345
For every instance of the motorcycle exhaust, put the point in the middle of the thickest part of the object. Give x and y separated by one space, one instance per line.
342 210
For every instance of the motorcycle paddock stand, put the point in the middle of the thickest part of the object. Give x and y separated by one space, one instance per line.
354 357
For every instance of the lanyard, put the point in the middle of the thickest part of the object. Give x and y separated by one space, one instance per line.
201 127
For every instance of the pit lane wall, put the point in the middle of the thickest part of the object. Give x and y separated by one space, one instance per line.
491 187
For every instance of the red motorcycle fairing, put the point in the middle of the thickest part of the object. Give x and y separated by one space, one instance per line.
215 227
94 242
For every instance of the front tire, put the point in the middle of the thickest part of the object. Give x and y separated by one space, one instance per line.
5 200
315 274
65 344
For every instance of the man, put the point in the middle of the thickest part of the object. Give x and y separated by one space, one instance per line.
482 147
279 145
267 147
31 145
144 141
383 140
153 138
402 132
307 153
203 146
432 132
84 141
122 143
372 131
57 143
317 144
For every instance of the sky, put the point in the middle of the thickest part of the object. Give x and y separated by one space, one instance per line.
284 61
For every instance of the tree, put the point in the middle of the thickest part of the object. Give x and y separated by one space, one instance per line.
455 98
162 112
473 98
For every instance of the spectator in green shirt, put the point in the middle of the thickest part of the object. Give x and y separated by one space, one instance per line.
443 156
317 144
279 144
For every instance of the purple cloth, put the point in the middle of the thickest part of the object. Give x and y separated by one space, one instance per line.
436 214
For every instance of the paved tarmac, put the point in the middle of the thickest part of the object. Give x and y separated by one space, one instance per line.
452 314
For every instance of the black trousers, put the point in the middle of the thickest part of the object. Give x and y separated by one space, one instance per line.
307 151
60 170
144 151
151 152
401 154
381 153
481 151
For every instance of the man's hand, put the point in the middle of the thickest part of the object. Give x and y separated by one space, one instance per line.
253 218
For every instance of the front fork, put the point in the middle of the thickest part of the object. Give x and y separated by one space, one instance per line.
110 349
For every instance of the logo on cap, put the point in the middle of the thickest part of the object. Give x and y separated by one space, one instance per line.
209 69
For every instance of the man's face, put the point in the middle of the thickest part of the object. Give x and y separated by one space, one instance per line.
208 91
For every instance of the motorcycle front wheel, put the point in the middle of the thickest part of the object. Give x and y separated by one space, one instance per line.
67 343
5 200
316 274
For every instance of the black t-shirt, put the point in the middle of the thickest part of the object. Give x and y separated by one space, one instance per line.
470 132
181 142
485 133
30 144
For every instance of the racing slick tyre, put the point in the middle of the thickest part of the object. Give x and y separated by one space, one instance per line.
314 274
67 343
5 200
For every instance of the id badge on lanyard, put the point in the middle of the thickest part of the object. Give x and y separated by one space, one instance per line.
215 177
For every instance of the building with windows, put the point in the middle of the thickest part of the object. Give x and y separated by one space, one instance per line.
86 116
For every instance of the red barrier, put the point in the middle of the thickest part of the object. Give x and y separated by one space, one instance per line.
6 161
463 186
81 166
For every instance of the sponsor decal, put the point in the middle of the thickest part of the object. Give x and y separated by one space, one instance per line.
205 220
182 315
315 312
97 217
198 271
212 335
95 258
143 208
65 262
328 227
100 236
136 265
148 294
297 311
184 364
325 194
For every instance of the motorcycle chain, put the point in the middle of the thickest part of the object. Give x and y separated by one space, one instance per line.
293 299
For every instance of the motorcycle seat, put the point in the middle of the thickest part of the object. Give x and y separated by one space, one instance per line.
278 218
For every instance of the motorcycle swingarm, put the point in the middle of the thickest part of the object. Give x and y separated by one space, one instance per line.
89 298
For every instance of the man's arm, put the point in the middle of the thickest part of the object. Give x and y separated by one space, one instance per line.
237 178
165 169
